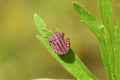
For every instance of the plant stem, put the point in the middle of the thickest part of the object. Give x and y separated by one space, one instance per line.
107 14
109 46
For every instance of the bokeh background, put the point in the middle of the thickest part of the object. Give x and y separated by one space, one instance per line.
23 57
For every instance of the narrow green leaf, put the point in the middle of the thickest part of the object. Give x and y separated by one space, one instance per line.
98 29
110 38
92 23
41 26
105 58
107 15
40 23
70 61
117 51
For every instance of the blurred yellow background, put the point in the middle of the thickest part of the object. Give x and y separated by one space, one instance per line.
23 57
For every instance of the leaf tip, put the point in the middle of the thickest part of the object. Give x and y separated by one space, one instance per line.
37 36
35 14
74 3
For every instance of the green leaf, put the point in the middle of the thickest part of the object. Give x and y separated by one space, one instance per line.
104 32
92 23
117 51
107 15
70 60
97 29
41 26
111 40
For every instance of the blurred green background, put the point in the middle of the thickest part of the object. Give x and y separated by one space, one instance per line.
23 57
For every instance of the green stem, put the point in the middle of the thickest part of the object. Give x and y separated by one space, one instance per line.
107 14
110 47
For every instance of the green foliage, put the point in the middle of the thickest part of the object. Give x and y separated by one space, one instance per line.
95 26
70 61
107 33
111 41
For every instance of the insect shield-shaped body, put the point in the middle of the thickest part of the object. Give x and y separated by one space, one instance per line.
60 43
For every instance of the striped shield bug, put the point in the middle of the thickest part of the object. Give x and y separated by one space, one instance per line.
60 43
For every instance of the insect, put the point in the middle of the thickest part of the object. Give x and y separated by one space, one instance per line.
60 43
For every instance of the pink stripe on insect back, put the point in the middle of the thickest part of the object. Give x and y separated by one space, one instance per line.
61 49
62 41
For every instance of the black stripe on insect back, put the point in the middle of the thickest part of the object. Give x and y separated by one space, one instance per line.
61 40
65 42
60 43
55 39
